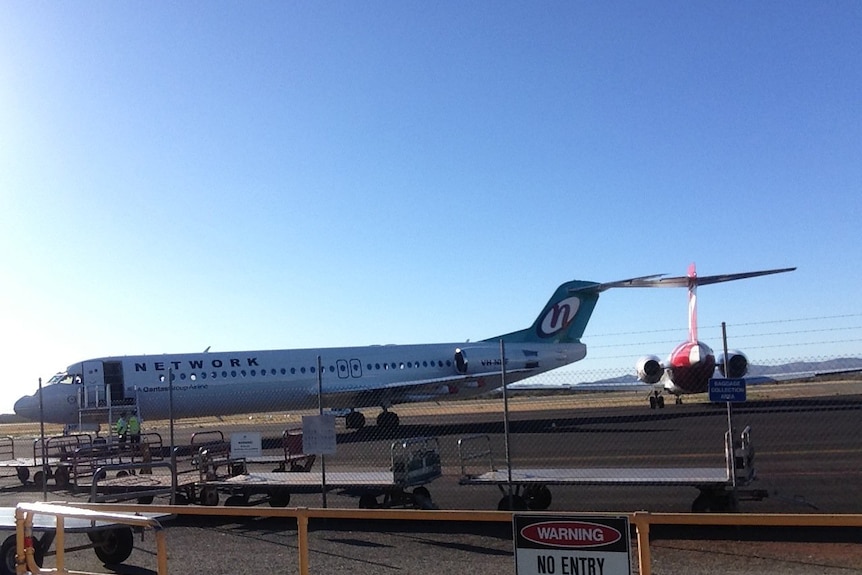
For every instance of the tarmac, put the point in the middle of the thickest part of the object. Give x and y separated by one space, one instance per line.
240 545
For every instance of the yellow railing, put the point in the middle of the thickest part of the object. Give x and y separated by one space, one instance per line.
642 520
25 561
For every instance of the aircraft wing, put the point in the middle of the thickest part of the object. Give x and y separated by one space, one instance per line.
584 386
796 375
419 390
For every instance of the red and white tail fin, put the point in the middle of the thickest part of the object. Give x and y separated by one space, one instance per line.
692 303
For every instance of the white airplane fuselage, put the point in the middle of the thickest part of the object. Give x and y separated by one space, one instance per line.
212 384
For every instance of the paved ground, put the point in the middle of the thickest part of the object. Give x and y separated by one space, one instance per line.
809 459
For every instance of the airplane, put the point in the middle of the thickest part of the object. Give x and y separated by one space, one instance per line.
224 383
691 364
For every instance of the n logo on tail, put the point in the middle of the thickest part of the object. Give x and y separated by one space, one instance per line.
558 317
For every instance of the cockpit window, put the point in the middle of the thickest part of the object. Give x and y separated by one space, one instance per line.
61 377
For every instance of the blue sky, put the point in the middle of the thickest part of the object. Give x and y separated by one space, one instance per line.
261 175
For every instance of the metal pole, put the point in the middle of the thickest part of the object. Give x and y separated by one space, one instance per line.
44 448
729 409
506 421
320 412
171 424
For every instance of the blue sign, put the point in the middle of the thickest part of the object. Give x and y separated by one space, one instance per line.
727 390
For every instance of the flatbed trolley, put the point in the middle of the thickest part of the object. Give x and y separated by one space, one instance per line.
211 460
87 459
57 451
415 462
721 488
217 452
111 535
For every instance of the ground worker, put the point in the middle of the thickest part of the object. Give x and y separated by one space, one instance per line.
122 427
135 428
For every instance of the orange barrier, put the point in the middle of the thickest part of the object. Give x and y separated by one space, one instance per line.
25 560
642 520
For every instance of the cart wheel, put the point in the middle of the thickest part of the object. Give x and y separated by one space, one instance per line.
23 474
39 479
422 498
517 503
113 546
122 473
61 477
145 499
368 501
209 496
236 501
708 502
181 499
8 551
538 497
280 497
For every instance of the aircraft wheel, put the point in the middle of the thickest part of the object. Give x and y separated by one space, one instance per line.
660 401
8 551
354 420
209 496
113 546
653 402
538 497
368 501
678 400
23 474
387 420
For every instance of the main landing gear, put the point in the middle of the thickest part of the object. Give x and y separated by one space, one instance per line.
387 420
656 400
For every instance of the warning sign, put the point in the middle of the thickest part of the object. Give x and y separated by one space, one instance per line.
318 434
571 545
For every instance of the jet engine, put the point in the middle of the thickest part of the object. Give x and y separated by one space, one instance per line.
650 369
461 363
737 364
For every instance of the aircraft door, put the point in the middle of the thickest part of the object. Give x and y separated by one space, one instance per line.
114 379
342 369
347 369
95 394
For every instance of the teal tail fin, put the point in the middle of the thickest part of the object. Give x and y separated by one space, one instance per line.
563 319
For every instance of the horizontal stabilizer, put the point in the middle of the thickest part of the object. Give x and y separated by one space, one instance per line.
657 281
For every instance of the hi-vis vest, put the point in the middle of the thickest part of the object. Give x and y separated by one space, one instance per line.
134 426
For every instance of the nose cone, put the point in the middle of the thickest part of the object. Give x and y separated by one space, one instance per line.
28 407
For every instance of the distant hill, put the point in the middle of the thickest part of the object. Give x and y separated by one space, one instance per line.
803 368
